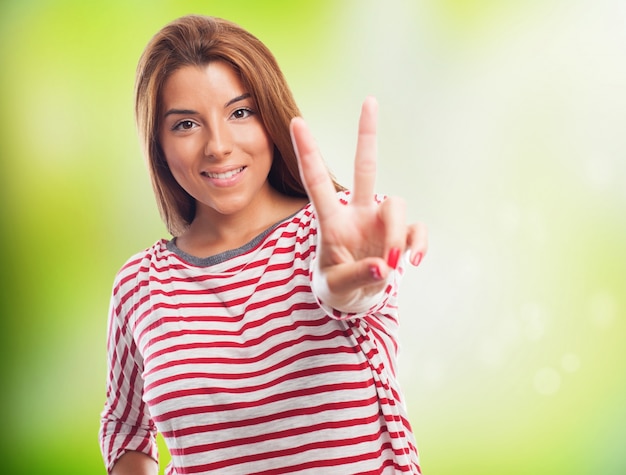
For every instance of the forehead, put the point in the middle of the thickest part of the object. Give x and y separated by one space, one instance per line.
214 81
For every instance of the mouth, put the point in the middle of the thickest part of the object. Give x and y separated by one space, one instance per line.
224 175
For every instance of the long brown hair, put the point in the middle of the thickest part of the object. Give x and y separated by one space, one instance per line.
196 40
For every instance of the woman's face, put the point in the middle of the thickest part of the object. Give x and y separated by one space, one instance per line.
214 141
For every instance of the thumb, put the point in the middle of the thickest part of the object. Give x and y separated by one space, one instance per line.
367 275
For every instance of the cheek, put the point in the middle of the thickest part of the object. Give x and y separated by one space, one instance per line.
177 153
262 144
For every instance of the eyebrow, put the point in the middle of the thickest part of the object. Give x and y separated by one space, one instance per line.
180 112
245 95
242 97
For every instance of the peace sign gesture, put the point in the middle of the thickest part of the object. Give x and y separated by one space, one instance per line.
360 243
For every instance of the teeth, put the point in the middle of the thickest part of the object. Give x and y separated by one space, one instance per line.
223 176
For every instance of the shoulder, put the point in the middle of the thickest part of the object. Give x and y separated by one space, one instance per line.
306 217
345 196
137 267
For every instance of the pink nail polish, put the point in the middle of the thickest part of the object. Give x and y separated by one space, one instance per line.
375 271
417 259
394 256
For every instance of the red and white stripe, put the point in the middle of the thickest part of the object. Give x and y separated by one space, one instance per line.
240 368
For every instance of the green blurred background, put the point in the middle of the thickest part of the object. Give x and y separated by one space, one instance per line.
503 124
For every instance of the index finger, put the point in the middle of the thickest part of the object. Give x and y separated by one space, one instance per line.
366 150
315 176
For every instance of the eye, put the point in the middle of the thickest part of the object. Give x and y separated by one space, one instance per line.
242 113
184 125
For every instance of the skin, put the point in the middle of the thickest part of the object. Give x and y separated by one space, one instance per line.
135 463
360 243
211 128
205 131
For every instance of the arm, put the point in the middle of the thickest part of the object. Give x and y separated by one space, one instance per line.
360 243
135 463
125 423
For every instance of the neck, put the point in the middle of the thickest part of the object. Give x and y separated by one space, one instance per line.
211 232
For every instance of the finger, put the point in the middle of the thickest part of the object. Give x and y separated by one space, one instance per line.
417 242
313 171
367 274
392 213
366 150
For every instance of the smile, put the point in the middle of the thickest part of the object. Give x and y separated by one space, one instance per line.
225 175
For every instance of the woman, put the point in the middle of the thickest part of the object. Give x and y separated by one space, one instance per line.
262 337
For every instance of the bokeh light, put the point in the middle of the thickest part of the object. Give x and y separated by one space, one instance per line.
501 123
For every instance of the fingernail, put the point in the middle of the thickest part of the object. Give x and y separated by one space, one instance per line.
375 271
394 256
417 259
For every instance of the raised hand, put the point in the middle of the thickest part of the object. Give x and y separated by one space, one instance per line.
360 243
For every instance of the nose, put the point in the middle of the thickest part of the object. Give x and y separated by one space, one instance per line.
219 141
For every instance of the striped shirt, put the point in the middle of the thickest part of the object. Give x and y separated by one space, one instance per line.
243 369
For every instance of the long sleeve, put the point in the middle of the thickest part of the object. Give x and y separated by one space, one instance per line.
125 422
374 324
